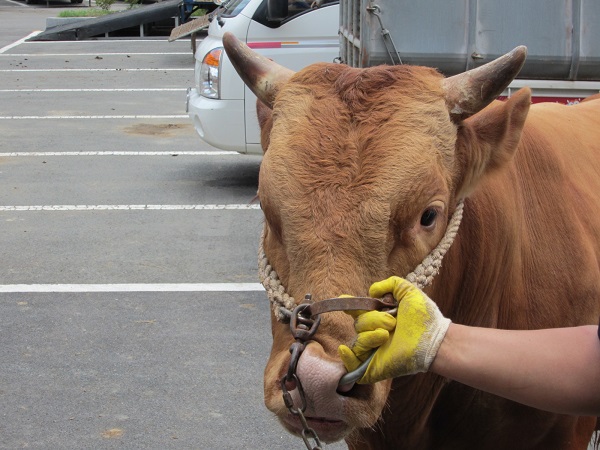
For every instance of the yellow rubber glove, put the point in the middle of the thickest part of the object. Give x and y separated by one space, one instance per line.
413 337
373 328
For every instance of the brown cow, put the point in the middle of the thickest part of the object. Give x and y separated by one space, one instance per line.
363 170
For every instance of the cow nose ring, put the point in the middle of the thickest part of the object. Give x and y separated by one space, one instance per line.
304 323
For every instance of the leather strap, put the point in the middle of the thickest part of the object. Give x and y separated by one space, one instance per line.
350 304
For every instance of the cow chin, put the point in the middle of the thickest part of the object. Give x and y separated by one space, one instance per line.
332 415
327 430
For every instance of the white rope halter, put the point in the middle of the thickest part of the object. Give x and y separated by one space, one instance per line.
421 277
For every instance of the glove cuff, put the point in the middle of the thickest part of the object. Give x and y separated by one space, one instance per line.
437 336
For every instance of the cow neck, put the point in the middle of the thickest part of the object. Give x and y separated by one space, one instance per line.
283 304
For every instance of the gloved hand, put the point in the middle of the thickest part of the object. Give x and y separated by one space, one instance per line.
407 344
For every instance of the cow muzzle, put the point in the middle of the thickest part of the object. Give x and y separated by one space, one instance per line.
314 385
316 409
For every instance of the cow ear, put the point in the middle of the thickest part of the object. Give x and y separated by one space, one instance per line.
487 140
265 121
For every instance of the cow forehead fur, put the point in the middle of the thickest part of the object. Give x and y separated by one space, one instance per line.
380 110
351 153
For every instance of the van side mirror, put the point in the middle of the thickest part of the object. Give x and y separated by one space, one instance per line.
277 10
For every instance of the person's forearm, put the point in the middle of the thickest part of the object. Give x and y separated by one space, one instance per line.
555 369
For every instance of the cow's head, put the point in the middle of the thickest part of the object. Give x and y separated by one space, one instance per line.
362 169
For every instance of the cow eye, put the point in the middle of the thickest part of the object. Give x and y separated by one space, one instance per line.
428 217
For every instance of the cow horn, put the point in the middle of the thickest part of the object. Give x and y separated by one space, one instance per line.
263 76
470 92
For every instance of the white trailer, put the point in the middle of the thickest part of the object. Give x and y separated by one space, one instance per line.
562 36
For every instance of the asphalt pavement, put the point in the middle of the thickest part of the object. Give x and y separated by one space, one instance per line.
130 311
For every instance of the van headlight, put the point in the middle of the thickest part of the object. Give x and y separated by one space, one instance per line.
208 83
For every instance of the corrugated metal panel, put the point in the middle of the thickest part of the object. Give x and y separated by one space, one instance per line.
544 26
562 36
589 35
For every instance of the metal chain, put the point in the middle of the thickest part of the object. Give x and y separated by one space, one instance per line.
304 323
303 329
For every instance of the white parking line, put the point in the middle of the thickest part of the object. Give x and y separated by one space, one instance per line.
16 3
139 69
98 90
19 42
90 41
120 153
173 116
32 55
152 41
213 207
133 287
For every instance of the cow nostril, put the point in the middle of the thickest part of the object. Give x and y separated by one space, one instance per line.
345 389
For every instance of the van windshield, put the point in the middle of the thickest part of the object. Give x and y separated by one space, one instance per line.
234 7
293 9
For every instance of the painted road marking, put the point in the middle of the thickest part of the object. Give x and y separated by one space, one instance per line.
135 116
111 41
132 287
19 42
98 90
16 3
32 55
120 153
214 207
24 41
142 69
